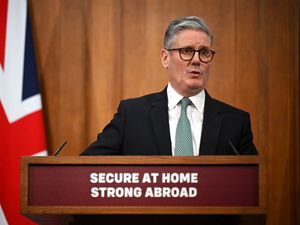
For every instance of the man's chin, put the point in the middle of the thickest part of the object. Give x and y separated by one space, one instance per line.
194 90
196 87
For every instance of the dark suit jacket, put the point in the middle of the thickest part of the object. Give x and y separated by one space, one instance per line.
141 127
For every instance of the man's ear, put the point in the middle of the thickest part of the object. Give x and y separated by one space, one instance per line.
164 56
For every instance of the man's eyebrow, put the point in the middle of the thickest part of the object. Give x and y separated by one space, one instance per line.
201 47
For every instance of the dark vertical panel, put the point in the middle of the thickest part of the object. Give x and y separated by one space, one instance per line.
294 39
279 104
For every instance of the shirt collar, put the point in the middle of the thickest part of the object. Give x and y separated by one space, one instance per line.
174 98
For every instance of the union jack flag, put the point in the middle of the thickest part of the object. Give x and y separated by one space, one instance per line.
21 117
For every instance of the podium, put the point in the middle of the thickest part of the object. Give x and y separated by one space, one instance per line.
68 189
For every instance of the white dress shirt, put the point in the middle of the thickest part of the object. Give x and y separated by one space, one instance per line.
194 113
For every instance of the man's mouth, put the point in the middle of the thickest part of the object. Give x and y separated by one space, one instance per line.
196 72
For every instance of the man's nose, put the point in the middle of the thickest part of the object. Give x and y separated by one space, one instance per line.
196 58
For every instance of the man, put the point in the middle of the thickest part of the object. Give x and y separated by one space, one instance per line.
182 119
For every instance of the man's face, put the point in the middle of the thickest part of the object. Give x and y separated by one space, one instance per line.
188 78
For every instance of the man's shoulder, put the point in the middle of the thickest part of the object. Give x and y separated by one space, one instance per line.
223 107
147 99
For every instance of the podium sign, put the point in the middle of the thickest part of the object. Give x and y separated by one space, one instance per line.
142 185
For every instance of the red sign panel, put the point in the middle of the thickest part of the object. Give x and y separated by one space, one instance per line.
201 185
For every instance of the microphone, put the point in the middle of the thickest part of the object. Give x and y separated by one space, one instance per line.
59 149
233 148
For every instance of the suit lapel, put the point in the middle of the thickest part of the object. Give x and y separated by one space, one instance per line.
211 127
160 122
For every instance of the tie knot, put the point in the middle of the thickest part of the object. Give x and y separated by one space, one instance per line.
185 102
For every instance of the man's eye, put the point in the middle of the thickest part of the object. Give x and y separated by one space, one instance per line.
205 53
187 51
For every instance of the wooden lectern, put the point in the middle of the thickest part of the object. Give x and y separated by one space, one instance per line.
142 189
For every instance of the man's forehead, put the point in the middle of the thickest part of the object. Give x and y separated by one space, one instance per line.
191 37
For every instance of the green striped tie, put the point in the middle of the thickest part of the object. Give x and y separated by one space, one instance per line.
183 139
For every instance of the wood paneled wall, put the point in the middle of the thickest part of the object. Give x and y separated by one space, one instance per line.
93 53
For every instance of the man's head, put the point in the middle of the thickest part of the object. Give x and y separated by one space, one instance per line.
188 69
